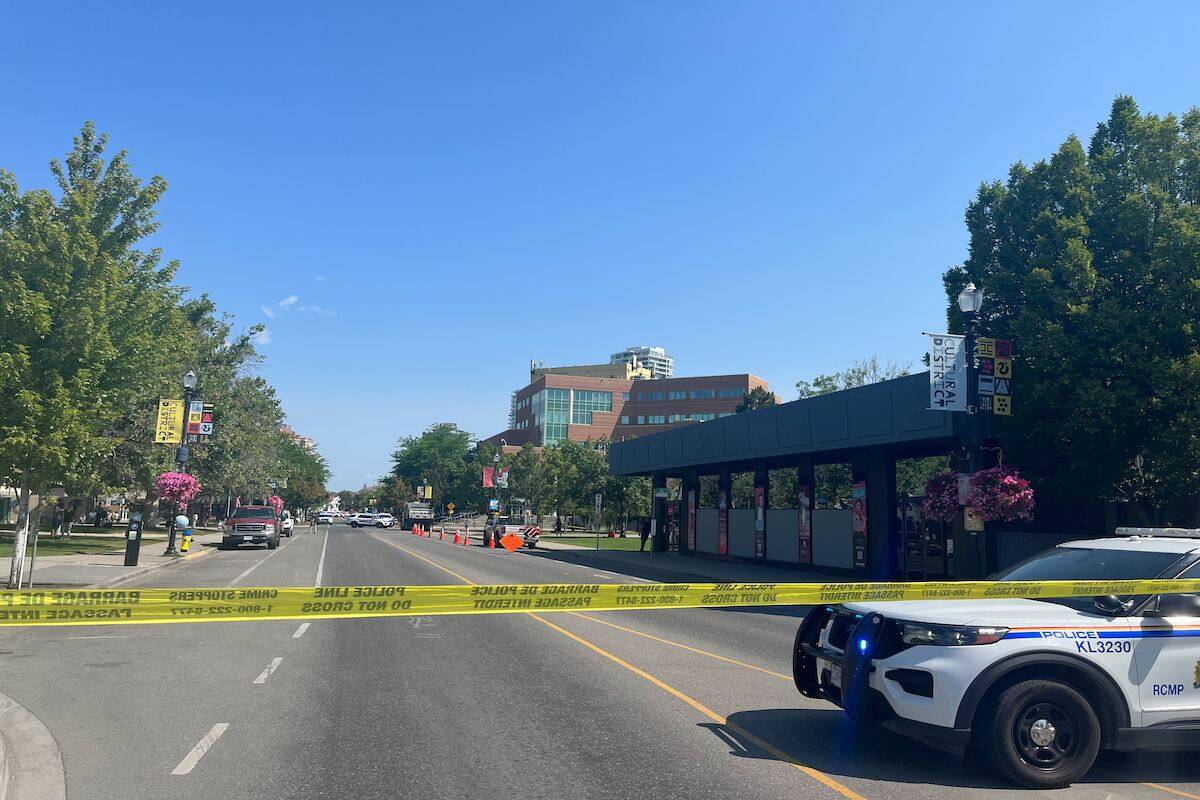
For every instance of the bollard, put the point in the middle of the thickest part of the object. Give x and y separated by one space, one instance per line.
186 544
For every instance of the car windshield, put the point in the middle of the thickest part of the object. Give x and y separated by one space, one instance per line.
261 513
1087 563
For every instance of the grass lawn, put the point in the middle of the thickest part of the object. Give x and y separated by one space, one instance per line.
616 543
62 547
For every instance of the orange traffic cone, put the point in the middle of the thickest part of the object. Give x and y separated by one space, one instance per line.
442 535
491 539
456 537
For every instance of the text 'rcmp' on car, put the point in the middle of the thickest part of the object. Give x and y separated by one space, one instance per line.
1035 687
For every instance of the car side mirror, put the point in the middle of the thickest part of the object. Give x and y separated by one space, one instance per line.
1111 604
1179 605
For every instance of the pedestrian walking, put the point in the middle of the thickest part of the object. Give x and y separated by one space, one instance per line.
57 522
645 533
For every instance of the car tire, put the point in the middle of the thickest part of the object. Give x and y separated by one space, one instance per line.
378 524
272 543
1041 734
353 524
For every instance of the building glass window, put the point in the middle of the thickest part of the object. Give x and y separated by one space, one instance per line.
641 420
650 395
701 394
556 413
677 395
703 416
588 402
624 395
624 420
656 419
731 393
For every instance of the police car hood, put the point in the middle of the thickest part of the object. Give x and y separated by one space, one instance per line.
1008 613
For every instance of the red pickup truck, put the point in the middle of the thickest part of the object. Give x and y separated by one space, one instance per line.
251 525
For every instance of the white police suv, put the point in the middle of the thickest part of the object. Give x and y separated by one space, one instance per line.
1034 687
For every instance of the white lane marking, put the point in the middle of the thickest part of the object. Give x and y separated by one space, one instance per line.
193 758
255 565
300 631
105 636
321 563
266 673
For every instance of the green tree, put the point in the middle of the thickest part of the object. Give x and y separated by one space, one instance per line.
81 316
1090 262
860 373
758 397
439 456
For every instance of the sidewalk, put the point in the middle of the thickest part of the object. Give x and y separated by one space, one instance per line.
101 569
672 566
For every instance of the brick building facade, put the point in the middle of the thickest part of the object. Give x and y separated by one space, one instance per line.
554 407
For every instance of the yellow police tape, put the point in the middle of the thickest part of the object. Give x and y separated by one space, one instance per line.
113 606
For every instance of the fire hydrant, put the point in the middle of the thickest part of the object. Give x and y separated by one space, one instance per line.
182 522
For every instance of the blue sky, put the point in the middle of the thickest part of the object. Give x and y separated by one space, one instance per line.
450 189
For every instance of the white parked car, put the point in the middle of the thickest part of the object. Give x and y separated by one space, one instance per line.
1037 687
366 520
286 523
326 517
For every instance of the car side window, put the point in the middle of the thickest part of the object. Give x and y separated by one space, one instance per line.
1181 605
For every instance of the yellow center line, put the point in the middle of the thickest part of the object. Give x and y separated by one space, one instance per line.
816 775
1168 789
682 646
765 746
467 581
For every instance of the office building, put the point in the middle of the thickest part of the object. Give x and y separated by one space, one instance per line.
556 406
656 359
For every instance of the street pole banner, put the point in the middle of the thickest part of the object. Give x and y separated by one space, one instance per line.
947 373
141 606
168 429
501 477
489 477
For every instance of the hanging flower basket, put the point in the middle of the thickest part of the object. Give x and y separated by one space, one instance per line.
1000 493
276 502
177 487
941 497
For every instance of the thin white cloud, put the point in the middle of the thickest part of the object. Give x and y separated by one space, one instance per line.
262 337
291 299
269 312
318 277
314 309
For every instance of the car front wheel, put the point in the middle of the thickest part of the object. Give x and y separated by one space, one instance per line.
1042 734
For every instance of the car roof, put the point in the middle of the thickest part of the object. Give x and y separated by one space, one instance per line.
1147 544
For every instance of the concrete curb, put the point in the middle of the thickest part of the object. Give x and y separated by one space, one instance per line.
150 568
32 768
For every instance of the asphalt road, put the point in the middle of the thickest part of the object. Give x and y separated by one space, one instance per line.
632 704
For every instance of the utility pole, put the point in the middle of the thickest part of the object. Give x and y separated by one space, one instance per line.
970 301
182 453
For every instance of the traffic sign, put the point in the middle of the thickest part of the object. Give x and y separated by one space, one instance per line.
169 427
510 542
450 507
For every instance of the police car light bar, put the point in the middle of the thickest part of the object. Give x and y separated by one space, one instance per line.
1173 533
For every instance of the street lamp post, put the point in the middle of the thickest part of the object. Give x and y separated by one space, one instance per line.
183 452
970 301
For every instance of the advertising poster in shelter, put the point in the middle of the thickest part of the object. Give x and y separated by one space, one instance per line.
858 523
804 524
760 522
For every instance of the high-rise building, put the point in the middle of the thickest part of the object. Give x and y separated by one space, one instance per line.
656 359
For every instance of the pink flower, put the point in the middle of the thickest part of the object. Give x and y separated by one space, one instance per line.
178 487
